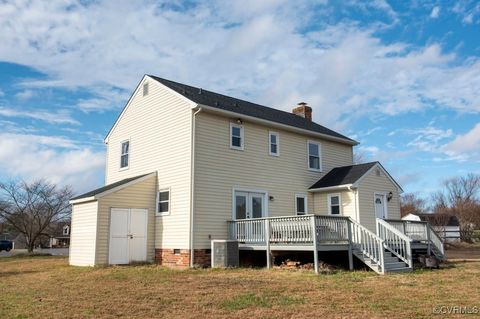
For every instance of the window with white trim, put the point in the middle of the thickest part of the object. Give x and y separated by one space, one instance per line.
236 136
273 143
314 156
301 204
124 154
163 202
334 204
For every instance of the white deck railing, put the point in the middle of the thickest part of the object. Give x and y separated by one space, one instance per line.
369 244
395 241
419 231
290 230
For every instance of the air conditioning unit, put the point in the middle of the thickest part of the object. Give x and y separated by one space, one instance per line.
224 253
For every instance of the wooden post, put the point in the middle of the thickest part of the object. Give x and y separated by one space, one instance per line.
315 244
350 253
267 243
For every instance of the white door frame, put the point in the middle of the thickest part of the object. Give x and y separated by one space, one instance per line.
250 192
128 235
385 206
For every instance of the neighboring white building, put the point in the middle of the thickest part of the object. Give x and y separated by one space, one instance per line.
182 161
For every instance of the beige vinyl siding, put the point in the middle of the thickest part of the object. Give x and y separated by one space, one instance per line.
140 195
218 169
368 186
83 234
159 129
320 201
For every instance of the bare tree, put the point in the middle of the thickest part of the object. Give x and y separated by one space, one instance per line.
411 204
358 157
31 208
461 197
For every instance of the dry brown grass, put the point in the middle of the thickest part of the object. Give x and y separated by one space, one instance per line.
46 287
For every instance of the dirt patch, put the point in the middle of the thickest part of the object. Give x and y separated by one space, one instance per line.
463 251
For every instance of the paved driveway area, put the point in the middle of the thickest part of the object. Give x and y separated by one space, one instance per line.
52 251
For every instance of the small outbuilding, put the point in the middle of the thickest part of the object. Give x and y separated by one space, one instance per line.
114 224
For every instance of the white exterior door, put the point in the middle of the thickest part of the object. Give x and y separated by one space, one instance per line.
380 206
128 235
249 205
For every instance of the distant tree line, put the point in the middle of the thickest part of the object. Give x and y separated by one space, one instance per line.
459 197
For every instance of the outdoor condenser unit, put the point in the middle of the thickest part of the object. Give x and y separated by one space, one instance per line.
224 253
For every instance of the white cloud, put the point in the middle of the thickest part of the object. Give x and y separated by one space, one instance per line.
2 93
255 52
25 95
435 12
465 146
56 159
57 117
428 139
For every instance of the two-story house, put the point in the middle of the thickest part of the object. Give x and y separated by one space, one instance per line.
182 161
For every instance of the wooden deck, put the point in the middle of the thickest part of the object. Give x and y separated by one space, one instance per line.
387 250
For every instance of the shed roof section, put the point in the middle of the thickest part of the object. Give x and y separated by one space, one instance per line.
110 187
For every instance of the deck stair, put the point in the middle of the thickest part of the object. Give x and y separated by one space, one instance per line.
382 255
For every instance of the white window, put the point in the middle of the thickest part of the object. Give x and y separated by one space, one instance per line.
274 143
124 154
236 136
163 202
66 230
334 204
314 156
301 204
145 89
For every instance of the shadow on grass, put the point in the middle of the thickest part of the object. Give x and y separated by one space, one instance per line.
17 273
249 300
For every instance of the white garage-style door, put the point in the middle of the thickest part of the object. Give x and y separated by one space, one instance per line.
128 235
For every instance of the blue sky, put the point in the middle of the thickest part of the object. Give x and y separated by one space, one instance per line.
403 78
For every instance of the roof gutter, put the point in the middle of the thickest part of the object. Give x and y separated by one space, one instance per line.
333 188
279 125
192 188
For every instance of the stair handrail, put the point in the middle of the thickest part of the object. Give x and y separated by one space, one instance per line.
395 241
435 240
369 244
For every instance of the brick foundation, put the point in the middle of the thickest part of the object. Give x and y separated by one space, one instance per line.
181 257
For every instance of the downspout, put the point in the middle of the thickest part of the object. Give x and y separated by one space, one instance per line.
355 192
192 186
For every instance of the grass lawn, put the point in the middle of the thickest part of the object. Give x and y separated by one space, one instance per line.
46 287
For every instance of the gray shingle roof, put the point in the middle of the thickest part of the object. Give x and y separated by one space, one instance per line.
227 103
343 175
107 187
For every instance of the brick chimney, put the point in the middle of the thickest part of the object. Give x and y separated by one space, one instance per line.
303 110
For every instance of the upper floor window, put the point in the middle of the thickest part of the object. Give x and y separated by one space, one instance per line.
145 88
274 143
334 204
236 136
300 204
163 202
314 156
124 154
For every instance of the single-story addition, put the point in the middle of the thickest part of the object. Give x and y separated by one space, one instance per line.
187 167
